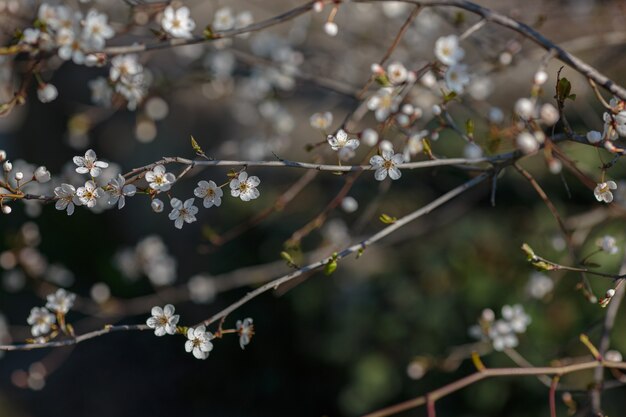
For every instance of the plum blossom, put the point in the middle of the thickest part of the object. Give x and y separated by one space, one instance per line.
96 29
448 51
321 121
340 142
61 301
210 193
66 198
244 187
163 320
245 329
47 93
397 73
41 320
89 194
199 342
383 103
602 192
160 180
89 164
118 190
177 22
607 244
456 78
182 212
386 165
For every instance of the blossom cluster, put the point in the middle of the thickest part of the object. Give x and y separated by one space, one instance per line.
199 340
43 319
501 333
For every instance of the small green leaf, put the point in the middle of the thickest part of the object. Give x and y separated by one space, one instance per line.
387 219
449 97
564 90
382 80
469 128
288 258
196 147
208 32
330 267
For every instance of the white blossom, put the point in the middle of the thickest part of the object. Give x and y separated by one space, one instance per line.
539 285
125 67
210 193
321 121
340 141
61 301
244 187
607 244
157 205
41 320
159 179
42 175
223 19
331 28
178 22
594 136
397 73
182 212
163 320
96 29
89 164
457 78
66 198
448 51
245 329
118 190
602 192
199 342
101 91
517 317
386 165
383 103
89 194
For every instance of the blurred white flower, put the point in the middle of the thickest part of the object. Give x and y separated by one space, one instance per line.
539 285
397 73
41 321
66 198
61 301
448 51
245 329
383 103
118 190
607 244
178 22
47 93
96 30
457 78
321 121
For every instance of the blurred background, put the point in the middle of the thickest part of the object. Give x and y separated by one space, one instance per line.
383 328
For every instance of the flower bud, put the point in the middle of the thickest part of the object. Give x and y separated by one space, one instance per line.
369 137
541 77
524 108
42 174
331 28
19 176
3 155
157 205
7 166
610 293
47 93
6 209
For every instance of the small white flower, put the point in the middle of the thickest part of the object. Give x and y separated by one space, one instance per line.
157 205
397 73
244 187
349 204
539 285
456 78
61 301
125 67
89 194
527 143
89 164
160 180
163 320
210 193
386 165
603 191
246 331
96 29
101 91
182 212
66 198
47 93
321 121
370 137
199 342
340 141
448 51
607 244
177 22
502 336
223 19
549 114
383 103
516 317
41 320
525 108
118 190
